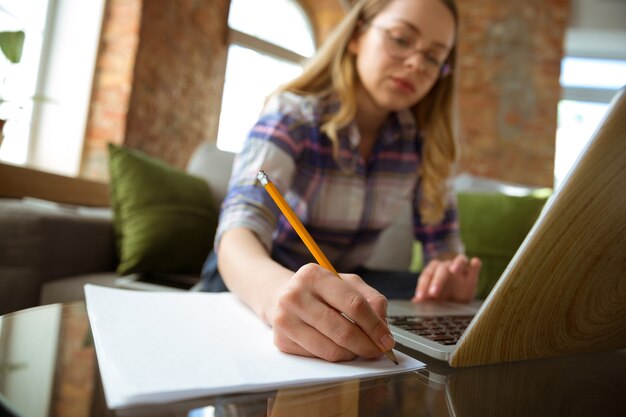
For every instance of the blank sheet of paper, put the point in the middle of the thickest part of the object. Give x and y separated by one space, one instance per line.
156 347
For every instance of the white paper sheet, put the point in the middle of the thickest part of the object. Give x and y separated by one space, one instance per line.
156 347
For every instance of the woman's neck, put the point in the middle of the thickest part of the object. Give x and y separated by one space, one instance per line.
369 120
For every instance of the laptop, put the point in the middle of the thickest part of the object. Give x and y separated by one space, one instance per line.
564 291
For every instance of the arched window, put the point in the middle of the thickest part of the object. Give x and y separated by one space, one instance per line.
268 41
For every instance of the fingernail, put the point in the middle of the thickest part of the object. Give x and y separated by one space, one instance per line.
433 290
419 294
387 342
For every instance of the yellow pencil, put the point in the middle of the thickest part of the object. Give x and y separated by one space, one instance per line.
304 234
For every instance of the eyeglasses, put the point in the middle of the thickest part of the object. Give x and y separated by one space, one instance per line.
401 46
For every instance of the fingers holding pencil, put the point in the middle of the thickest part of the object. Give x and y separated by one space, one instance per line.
308 319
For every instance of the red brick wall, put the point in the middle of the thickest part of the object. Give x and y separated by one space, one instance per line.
112 84
177 82
510 55
158 81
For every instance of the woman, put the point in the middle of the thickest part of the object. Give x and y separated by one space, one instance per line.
365 129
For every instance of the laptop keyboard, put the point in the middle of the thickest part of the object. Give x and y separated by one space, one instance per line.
441 329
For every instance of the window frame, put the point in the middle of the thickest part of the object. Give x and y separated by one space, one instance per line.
236 37
239 38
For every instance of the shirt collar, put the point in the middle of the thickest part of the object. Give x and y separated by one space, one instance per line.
400 125
408 124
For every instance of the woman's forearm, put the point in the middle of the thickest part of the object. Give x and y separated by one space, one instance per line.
250 273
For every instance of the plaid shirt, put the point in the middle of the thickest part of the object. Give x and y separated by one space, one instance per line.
344 206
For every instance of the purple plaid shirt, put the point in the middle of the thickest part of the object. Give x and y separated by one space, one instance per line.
344 206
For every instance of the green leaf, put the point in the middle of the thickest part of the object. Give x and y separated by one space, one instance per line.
12 44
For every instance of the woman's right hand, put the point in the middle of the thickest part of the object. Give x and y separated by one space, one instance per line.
309 316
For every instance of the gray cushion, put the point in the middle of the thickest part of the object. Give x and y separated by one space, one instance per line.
72 288
214 166
41 242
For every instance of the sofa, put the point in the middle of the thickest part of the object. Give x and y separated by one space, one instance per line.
49 251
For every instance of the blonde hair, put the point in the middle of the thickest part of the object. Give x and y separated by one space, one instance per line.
332 70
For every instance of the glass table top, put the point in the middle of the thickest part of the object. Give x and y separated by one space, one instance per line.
48 368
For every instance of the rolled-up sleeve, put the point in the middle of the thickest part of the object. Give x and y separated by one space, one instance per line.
442 238
269 147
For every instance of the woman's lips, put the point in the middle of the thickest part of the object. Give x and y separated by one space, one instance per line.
403 84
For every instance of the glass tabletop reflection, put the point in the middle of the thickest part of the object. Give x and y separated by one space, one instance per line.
48 368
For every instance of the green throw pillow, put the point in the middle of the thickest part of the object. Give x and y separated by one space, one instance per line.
164 218
493 226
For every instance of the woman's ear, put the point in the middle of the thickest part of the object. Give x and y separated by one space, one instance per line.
355 39
353 45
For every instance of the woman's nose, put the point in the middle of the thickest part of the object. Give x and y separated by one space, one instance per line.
416 60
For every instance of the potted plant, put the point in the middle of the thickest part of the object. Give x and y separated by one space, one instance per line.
11 44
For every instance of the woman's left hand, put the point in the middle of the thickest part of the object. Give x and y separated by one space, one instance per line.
448 280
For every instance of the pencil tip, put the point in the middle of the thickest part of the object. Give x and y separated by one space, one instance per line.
391 357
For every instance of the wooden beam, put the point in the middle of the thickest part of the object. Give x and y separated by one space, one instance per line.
18 182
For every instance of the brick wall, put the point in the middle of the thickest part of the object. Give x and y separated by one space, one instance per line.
509 66
112 85
178 77
508 94
158 81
